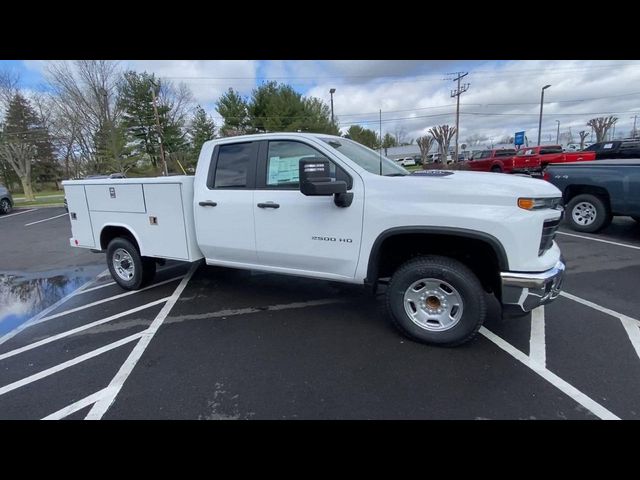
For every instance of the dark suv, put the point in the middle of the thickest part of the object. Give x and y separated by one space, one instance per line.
615 149
6 200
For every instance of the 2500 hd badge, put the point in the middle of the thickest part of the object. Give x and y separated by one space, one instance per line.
332 239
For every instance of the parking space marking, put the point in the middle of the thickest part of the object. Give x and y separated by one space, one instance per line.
600 240
18 213
111 392
97 288
566 388
36 318
74 407
108 299
73 331
69 363
537 345
631 325
45 220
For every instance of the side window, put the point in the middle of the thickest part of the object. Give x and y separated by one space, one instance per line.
233 165
283 158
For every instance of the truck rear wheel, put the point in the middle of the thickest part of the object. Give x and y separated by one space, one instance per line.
436 300
588 213
128 268
496 169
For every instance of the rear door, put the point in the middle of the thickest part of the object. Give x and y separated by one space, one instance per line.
223 205
301 233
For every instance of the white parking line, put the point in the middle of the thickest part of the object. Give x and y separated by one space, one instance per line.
36 318
97 288
45 220
111 392
73 331
74 407
70 363
108 299
600 240
631 325
568 389
537 345
17 213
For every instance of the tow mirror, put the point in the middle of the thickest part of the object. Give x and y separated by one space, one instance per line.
315 180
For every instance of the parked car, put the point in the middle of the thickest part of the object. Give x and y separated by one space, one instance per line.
407 161
615 149
6 200
326 207
535 159
596 191
499 160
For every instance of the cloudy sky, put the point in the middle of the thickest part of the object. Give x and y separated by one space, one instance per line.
503 96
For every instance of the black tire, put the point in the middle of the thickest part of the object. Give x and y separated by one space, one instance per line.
144 268
496 169
5 206
594 204
458 276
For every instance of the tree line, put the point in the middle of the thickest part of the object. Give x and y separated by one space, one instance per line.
92 117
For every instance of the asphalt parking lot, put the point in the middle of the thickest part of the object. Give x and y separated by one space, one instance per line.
213 343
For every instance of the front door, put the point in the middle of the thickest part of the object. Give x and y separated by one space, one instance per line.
305 234
223 205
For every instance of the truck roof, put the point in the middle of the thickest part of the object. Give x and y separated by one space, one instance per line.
258 136
621 162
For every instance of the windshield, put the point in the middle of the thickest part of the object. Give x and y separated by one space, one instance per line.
365 157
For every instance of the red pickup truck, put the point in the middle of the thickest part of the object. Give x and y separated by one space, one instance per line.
535 159
498 160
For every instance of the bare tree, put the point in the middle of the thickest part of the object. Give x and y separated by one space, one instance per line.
443 135
86 111
425 142
8 87
601 126
19 155
583 135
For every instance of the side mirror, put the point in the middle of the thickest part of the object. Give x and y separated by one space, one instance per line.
315 178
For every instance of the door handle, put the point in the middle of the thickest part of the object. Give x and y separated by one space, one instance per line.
207 203
269 205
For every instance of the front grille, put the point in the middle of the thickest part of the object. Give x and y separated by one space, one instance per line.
548 234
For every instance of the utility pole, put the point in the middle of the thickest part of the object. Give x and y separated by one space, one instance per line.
332 91
456 93
541 104
381 142
155 111
558 134
633 132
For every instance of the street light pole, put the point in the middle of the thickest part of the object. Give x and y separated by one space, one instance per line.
540 122
558 134
332 91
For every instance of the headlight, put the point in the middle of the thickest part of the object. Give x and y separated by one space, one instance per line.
539 203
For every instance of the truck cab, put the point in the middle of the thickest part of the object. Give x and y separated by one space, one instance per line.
535 159
498 160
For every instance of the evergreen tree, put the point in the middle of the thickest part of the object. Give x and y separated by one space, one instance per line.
233 108
201 129
26 145
364 136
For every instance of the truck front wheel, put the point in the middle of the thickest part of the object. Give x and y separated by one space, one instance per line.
588 213
128 268
436 300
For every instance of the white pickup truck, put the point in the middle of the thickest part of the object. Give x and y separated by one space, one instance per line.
327 207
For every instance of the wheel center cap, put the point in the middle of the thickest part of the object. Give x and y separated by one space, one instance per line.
125 264
432 302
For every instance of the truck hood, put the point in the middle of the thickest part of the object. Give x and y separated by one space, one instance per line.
491 187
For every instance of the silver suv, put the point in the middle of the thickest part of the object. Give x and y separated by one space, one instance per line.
6 200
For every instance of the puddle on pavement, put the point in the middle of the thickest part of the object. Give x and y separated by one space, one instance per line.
23 296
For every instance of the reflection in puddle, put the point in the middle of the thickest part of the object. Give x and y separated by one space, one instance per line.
21 298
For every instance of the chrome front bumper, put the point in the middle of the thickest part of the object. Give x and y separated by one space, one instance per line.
522 292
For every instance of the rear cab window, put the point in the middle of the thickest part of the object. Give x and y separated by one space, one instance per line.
233 166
